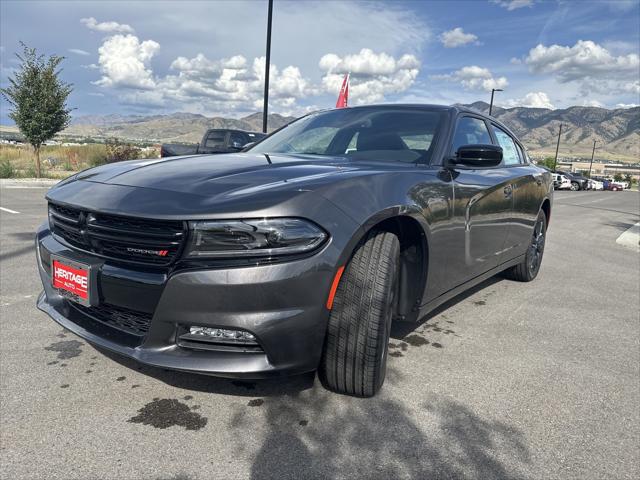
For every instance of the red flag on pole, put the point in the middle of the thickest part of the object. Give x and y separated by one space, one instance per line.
343 97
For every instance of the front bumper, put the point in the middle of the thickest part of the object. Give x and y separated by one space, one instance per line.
283 305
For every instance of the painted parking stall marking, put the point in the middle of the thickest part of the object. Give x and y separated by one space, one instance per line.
8 210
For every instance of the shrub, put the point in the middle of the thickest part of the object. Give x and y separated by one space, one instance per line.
7 170
118 151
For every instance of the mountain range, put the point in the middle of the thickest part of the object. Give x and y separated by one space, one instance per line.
616 132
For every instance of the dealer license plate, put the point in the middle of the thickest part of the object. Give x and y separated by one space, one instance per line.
71 279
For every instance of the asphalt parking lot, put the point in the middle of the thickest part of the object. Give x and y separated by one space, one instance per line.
522 381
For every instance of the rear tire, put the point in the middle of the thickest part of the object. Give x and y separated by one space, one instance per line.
528 269
354 359
575 186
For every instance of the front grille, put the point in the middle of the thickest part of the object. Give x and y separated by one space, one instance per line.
123 319
145 241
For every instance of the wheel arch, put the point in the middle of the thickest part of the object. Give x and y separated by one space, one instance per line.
413 234
546 208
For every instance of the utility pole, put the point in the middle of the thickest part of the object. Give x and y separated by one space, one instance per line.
493 90
593 152
555 162
265 107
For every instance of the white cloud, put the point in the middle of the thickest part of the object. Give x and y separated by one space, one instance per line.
124 62
592 103
475 78
106 27
78 51
456 38
584 59
513 4
531 100
590 65
373 75
627 105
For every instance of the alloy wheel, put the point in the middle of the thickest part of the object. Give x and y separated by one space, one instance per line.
537 245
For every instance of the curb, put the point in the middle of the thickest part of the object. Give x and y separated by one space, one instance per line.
28 182
630 238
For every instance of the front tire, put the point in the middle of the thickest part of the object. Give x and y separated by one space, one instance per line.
354 359
575 186
528 269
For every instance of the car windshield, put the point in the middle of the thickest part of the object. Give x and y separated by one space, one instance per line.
368 133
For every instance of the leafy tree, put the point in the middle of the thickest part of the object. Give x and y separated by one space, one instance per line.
39 99
617 177
547 163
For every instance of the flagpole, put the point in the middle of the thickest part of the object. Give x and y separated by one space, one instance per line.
265 107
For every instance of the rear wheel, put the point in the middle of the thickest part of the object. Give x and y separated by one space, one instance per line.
528 269
354 359
575 186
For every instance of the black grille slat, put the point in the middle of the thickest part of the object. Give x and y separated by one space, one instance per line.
123 319
133 233
138 241
117 237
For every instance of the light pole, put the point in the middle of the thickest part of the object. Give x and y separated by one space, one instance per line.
555 161
493 90
593 152
266 70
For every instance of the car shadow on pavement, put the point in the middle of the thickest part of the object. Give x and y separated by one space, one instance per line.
319 435
400 330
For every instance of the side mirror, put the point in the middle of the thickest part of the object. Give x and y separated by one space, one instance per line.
236 145
477 156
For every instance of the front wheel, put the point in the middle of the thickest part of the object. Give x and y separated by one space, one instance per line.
528 269
354 359
574 186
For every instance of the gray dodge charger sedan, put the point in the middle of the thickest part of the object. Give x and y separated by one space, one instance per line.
297 254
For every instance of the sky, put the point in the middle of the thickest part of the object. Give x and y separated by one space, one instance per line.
207 57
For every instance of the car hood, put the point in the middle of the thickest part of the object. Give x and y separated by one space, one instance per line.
204 185
211 175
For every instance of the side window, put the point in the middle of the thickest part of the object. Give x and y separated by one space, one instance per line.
215 139
509 151
469 131
238 138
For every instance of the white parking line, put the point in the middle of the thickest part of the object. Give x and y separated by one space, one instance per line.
8 210
630 238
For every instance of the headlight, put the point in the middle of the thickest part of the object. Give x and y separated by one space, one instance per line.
251 238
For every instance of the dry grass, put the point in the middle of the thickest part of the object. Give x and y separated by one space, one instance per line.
57 161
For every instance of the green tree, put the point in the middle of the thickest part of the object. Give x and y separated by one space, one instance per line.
38 98
617 177
548 162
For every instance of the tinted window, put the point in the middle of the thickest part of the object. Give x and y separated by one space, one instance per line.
369 133
215 139
509 151
470 131
238 138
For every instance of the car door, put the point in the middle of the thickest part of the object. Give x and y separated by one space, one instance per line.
528 190
482 207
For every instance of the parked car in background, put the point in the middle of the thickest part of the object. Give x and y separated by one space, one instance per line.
578 181
297 254
595 185
614 186
561 182
215 140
